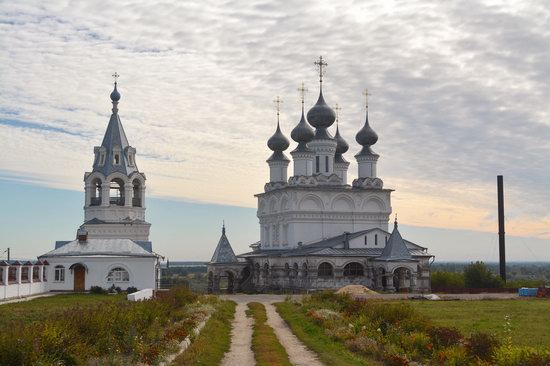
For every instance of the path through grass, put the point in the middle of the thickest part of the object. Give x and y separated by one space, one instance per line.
267 349
214 340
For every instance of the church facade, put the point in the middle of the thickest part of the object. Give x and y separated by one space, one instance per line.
317 230
112 246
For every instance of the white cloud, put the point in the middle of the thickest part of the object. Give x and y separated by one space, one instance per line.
460 94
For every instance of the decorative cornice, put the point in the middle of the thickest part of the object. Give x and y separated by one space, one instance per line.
274 185
368 183
315 180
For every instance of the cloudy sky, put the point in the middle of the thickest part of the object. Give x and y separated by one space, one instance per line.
460 93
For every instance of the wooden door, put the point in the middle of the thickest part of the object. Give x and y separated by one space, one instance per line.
79 274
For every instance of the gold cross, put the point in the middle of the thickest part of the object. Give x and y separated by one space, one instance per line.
302 89
337 109
366 94
116 76
278 101
320 64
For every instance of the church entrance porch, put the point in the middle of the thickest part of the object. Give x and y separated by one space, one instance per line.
79 275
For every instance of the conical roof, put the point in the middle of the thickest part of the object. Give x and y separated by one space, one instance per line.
395 249
223 253
115 139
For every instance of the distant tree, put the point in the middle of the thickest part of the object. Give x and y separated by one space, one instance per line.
447 279
478 275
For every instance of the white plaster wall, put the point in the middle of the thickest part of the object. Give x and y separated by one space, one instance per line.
23 289
315 214
142 272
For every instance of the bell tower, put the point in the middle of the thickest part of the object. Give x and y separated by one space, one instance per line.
115 188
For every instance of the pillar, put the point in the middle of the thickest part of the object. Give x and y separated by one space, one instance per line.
105 194
278 170
367 165
324 155
303 162
128 193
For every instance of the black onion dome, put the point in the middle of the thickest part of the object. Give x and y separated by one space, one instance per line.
115 95
321 115
341 144
302 133
366 137
278 142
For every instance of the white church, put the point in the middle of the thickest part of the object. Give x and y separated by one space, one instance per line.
318 231
112 246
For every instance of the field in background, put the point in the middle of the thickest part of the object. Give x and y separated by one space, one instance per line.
529 318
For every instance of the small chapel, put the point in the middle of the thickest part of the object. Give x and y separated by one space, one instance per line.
317 230
112 246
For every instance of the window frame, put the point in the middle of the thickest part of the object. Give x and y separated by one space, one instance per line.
322 272
116 275
354 269
59 274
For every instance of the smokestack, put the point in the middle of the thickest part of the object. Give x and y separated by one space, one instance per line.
501 235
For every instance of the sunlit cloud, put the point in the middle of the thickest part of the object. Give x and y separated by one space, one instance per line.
460 94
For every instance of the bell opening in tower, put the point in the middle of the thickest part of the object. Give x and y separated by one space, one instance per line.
96 193
116 196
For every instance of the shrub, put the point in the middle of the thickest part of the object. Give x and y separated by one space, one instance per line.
481 345
97 290
131 290
114 333
444 336
452 356
520 356
478 275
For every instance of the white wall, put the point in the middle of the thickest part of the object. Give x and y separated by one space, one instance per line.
141 270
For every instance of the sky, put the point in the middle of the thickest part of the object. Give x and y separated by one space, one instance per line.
460 93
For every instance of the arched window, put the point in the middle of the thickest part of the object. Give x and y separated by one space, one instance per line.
295 270
118 274
117 192
96 193
353 269
375 239
325 270
265 272
59 275
287 270
136 197
304 270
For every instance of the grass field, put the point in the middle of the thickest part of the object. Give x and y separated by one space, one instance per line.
29 311
530 318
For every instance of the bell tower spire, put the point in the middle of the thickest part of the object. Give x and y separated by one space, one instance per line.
115 188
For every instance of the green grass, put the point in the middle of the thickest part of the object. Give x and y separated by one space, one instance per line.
313 336
529 318
214 340
37 309
267 349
